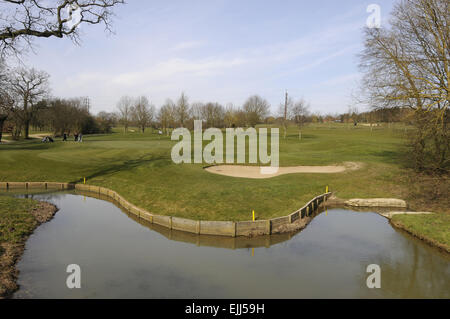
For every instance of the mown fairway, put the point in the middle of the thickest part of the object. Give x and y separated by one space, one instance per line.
139 167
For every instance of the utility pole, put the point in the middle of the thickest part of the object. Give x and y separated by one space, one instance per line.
87 103
285 106
285 114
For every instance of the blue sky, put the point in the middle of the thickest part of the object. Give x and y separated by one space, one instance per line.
215 50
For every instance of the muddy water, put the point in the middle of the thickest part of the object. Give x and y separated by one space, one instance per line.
122 258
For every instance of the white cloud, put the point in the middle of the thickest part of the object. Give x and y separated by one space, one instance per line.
176 67
187 45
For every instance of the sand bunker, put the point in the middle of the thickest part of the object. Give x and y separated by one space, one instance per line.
258 172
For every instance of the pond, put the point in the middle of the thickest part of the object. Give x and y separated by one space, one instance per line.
121 257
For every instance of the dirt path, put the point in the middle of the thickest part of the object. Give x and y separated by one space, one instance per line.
42 135
38 136
256 171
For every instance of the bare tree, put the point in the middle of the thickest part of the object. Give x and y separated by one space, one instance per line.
229 117
23 20
3 117
64 116
284 111
125 106
196 111
166 115
353 115
407 65
182 109
105 121
240 117
213 114
6 101
299 113
30 86
256 109
143 112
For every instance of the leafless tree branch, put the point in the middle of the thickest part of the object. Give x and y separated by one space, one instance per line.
23 20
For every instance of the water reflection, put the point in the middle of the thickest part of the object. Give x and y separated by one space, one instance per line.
414 270
198 240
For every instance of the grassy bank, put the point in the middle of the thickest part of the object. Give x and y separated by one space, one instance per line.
432 228
18 219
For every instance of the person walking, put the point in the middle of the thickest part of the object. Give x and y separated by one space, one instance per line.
65 137
76 137
80 138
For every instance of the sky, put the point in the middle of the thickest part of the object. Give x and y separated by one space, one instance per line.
215 50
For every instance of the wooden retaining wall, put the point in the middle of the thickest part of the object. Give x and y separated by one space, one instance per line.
298 219
36 185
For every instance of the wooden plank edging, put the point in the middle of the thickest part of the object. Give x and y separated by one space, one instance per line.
216 228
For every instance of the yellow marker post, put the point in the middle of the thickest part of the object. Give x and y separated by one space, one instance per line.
254 216
84 182
326 190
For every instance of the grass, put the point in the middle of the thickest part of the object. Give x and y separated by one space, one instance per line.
18 219
16 224
433 228
139 167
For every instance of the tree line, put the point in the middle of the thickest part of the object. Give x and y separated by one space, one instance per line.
181 113
25 102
